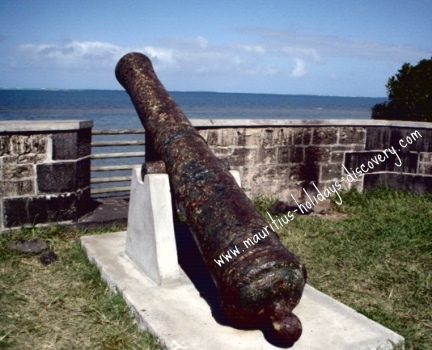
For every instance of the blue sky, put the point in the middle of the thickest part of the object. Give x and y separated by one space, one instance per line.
343 48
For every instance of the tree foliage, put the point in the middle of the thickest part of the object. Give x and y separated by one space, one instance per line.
409 93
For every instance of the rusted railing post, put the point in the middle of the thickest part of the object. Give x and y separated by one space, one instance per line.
262 284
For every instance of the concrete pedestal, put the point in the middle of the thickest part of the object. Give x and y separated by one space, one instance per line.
150 240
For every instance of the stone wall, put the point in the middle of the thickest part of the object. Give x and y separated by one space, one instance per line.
45 166
44 171
277 158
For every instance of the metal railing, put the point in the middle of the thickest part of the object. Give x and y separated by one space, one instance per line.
115 165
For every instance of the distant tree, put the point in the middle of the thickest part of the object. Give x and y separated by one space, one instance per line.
409 93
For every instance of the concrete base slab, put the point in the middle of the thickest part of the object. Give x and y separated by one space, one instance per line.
182 319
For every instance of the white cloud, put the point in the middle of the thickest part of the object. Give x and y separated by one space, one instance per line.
160 54
253 48
307 53
181 55
202 42
266 53
317 47
75 54
299 69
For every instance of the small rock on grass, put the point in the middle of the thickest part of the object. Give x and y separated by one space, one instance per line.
34 246
48 257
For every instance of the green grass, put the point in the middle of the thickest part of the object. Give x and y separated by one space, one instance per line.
64 305
378 260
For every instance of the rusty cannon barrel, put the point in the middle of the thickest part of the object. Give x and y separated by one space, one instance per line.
262 283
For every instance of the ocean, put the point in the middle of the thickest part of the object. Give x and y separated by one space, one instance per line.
111 109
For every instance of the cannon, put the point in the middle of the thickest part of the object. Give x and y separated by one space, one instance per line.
261 285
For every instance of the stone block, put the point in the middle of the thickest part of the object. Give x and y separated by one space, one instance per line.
64 145
268 172
57 177
241 137
264 156
213 137
63 177
425 168
377 137
352 134
283 172
22 144
31 158
227 137
308 171
4 145
425 157
17 171
284 136
373 161
71 145
83 173
268 136
242 157
396 134
35 210
409 182
249 137
302 136
314 154
298 136
307 136
357 147
284 155
336 156
9 160
297 154
222 152
324 135
331 172
17 188
355 184
415 140
295 172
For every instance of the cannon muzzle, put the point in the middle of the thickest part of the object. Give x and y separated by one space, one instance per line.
262 283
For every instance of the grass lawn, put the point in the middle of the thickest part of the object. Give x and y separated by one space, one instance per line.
64 305
378 260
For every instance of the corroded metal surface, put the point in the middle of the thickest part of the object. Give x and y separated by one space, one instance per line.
259 287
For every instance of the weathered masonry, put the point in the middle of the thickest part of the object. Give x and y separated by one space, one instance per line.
277 158
44 171
45 165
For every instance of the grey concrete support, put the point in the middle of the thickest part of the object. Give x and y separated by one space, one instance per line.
182 319
150 241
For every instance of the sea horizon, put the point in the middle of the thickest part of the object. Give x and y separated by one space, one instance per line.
113 109
191 91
